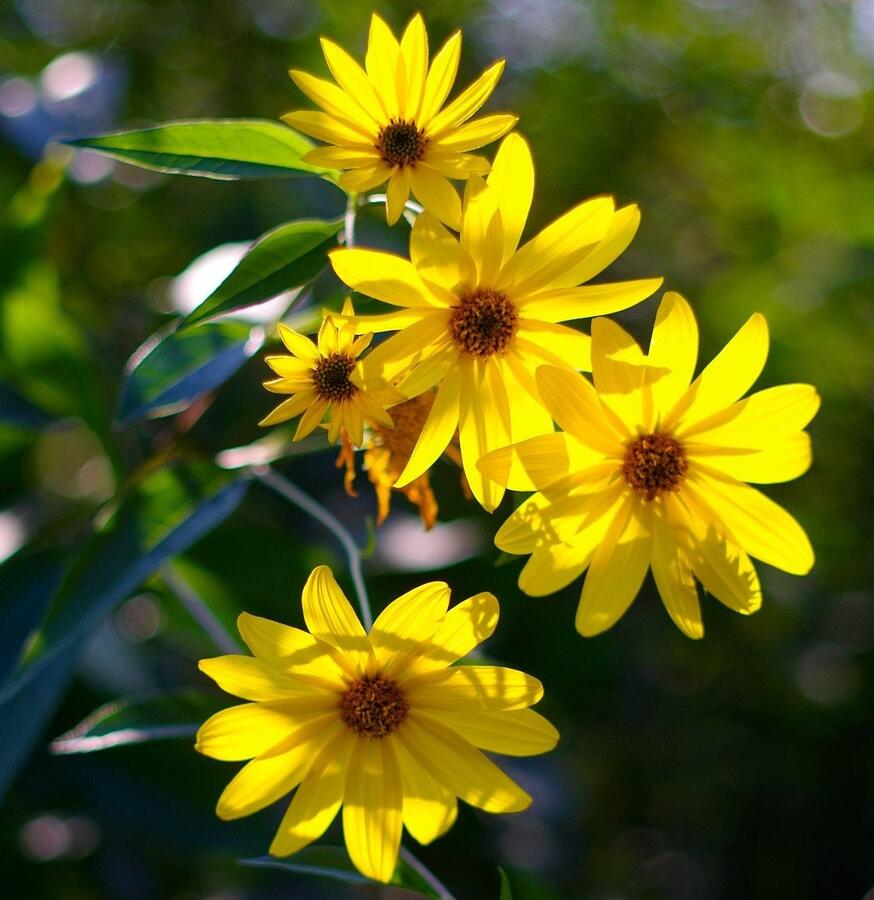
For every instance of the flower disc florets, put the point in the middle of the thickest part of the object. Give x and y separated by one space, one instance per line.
373 707
484 323
655 464
331 377
401 143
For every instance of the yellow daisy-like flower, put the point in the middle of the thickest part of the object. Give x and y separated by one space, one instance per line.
381 723
478 316
386 453
387 121
327 378
652 472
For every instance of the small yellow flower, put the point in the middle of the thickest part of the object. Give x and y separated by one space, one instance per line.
387 452
381 723
387 121
477 316
327 378
652 472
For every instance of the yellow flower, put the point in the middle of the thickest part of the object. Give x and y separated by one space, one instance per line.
381 724
651 473
386 453
328 378
387 122
478 316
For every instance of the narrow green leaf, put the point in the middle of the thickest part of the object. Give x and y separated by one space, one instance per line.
506 893
137 720
226 149
334 863
171 370
158 518
286 257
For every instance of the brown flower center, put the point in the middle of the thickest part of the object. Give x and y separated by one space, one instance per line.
409 420
484 323
373 707
655 464
401 143
331 377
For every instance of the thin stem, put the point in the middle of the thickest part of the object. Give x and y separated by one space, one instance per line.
198 610
349 220
288 489
433 881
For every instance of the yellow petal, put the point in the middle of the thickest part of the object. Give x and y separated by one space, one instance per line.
329 128
393 321
673 351
534 464
672 573
437 431
372 810
760 421
554 566
724 569
481 237
575 406
440 260
514 732
359 180
464 627
616 571
545 260
290 408
789 458
429 808
752 521
727 377
407 623
409 347
397 194
318 798
310 419
436 194
251 678
248 730
618 370
566 343
458 765
352 78
414 53
431 370
563 304
530 416
298 344
512 182
452 164
467 102
472 688
290 649
475 134
289 367
484 423
381 63
264 780
594 259
334 101
330 618
441 77
342 157
381 275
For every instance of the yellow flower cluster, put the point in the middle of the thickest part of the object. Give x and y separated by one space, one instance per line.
650 468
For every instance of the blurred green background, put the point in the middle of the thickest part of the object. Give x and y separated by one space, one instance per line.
741 766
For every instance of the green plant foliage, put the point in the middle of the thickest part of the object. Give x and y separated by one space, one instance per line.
225 149
281 260
173 369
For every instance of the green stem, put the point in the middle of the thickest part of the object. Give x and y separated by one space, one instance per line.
198 610
433 881
349 220
291 492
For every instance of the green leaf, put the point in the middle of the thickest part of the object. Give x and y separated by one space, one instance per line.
334 863
506 893
171 370
159 517
225 149
136 720
286 257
